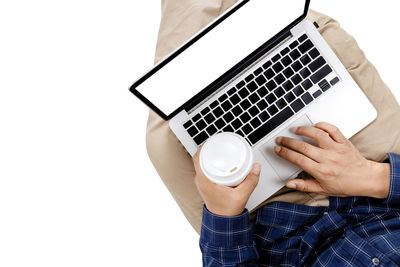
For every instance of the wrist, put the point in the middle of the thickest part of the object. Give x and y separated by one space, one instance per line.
379 180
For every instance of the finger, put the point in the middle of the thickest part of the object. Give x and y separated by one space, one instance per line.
311 186
333 131
321 137
196 159
250 183
304 148
297 159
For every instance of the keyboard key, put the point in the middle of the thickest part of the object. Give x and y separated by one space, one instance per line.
278 67
262 91
255 123
307 45
296 66
228 117
305 73
220 123
232 91
285 51
211 130
298 91
271 98
258 71
307 84
334 81
237 111
200 138
295 54
249 78
240 85
187 124
247 129
272 110
288 72
296 79
254 98
192 131
290 97
322 73
252 86
209 118
267 65
228 129
218 112
317 94
260 80
303 38
269 74
243 93
237 124
324 85
314 53
226 105
279 79
297 105
271 85
288 86
271 125
222 98
264 116
316 64
235 99
205 111
279 92
201 125
196 117
254 111
245 117
276 58
305 60
294 45
262 105
281 103
307 98
239 132
286 61
214 104
245 104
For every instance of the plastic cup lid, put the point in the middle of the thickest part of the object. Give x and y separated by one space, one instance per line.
225 158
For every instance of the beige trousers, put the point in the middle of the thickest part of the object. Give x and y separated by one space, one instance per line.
183 18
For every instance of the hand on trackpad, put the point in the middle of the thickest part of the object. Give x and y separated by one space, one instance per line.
284 168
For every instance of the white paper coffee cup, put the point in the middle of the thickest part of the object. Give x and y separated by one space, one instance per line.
226 159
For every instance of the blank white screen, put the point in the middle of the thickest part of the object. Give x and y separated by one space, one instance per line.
218 51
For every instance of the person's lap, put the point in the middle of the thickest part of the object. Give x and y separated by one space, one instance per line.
183 18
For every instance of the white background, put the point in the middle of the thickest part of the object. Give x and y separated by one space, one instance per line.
76 185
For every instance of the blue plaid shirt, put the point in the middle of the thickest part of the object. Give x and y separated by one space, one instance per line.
353 231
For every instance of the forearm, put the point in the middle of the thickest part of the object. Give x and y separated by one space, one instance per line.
227 241
384 180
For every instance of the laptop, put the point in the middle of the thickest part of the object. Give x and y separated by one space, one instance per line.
258 70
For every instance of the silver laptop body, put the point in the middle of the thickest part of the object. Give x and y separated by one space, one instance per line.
297 80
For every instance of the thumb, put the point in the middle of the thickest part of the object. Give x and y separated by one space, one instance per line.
311 186
249 184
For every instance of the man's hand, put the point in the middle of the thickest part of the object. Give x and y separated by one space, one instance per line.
223 200
338 167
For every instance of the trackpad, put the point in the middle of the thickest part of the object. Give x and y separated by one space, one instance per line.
284 168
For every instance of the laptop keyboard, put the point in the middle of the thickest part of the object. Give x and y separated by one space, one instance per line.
268 97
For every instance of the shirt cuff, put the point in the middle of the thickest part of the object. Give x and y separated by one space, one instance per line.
394 190
226 232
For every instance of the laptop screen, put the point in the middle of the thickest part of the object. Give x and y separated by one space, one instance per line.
177 81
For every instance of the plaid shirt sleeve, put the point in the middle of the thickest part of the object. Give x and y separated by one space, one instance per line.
394 190
227 241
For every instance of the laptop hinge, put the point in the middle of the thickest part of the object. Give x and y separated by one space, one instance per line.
234 72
